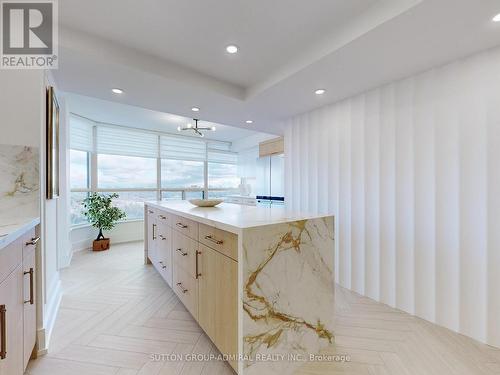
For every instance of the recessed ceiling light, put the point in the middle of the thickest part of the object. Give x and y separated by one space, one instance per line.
320 91
214 128
249 121
195 109
117 91
231 49
496 18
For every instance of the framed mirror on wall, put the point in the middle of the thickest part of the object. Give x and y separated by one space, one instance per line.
52 144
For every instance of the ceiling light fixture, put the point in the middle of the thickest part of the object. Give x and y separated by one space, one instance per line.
195 109
496 18
198 130
320 91
249 121
117 91
231 49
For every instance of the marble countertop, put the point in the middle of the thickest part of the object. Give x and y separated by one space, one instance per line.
232 217
11 231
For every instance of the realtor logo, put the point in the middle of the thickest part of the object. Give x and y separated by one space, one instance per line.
28 34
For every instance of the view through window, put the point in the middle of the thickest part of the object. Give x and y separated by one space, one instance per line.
143 166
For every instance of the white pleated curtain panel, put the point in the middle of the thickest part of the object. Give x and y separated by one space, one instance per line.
223 157
126 142
182 148
114 140
81 134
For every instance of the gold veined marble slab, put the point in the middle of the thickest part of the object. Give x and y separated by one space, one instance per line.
270 272
288 294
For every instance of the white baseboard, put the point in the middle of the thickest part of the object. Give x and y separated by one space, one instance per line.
66 260
127 231
51 310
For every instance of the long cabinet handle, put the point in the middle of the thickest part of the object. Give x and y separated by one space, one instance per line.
215 241
3 333
180 225
31 301
182 288
198 274
154 231
182 252
33 241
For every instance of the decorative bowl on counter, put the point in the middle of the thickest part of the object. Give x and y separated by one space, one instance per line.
205 202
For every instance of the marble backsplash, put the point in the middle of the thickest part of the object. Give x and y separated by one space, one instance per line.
19 183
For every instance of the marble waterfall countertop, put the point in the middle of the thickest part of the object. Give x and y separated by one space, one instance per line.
12 229
233 217
286 281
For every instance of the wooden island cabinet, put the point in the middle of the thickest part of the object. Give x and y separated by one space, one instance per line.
258 281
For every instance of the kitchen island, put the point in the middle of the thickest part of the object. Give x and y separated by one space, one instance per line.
259 280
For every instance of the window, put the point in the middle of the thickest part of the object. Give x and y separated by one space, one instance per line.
171 195
79 169
222 176
219 194
194 195
132 202
182 174
76 200
144 166
126 172
222 170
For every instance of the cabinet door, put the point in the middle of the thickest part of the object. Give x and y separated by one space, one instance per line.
207 286
218 299
226 297
29 305
152 238
164 251
11 323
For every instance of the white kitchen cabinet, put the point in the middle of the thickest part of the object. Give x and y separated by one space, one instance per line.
17 303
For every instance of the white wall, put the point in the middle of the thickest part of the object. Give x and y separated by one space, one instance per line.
83 236
64 252
22 108
51 231
411 172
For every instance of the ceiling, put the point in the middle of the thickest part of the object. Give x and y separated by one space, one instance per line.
194 33
126 115
170 55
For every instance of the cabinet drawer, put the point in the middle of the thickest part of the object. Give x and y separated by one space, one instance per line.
184 252
151 212
185 226
164 252
186 288
220 240
30 240
163 217
10 257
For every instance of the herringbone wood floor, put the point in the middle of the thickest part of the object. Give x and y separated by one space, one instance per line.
116 312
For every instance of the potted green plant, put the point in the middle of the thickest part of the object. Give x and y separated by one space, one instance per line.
100 213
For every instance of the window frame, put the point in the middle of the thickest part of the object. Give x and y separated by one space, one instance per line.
92 173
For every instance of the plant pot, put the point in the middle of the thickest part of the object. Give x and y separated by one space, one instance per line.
100 245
